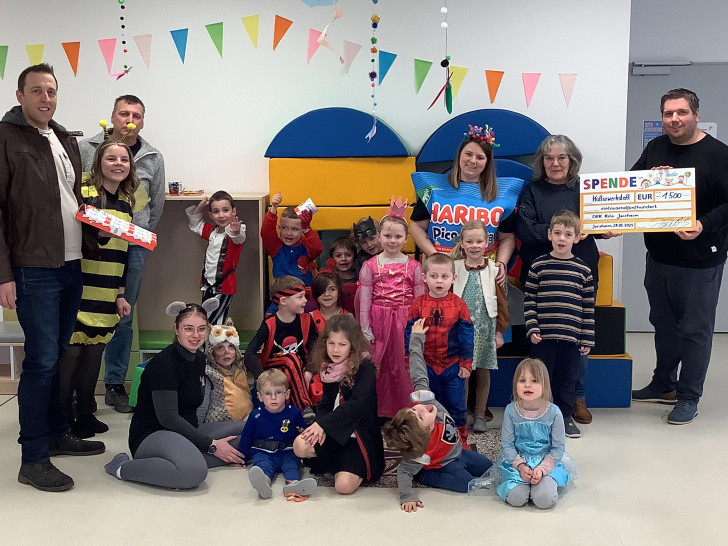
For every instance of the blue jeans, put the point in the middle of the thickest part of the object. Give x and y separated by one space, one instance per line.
683 303
580 387
118 350
449 390
48 300
284 461
562 360
456 475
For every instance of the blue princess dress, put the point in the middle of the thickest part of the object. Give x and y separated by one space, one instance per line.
533 438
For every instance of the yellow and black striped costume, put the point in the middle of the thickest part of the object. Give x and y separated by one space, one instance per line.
102 278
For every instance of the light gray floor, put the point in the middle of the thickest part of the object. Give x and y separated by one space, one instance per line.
641 482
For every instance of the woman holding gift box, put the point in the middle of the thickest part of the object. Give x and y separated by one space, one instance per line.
110 187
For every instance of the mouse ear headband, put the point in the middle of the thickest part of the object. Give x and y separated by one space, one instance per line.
176 307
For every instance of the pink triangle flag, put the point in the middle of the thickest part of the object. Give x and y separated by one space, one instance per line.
351 50
107 50
567 86
144 45
530 81
313 44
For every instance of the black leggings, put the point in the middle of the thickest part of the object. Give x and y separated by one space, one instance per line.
79 372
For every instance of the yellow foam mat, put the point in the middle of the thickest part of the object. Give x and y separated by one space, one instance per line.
342 181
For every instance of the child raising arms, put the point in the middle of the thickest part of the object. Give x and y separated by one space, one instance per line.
475 282
533 440
225 238
389 283
345 440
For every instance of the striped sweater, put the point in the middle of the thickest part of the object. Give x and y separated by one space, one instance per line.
559 301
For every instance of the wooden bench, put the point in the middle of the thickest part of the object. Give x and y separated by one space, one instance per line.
12 336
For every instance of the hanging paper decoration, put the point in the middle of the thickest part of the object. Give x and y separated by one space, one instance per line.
252 24
493 79
280 27
446 90
351 50
180 41
313 43
144 45
72 50
315 3
124 48
215 32
322 37
385 63
567 86
35 53
421 70
457 75
530 81
3 60
107 47
373 74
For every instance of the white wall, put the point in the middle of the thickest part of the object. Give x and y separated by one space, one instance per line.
213 118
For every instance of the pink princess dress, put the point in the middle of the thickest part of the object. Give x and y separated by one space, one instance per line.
387 288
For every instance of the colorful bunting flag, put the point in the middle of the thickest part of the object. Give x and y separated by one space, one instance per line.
35 53
3 60
530 81
215 32
144 45
180 41
567 86
72 49
457 75
421 70
107 47
313 43
252 24
493 79
351 50
280 27
385 63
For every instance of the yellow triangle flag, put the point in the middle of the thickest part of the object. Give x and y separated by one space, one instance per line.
251 25
35 53
457 75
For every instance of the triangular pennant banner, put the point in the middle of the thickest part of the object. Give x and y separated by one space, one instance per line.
493 79
35 53
457 75
530 81
252 24
313 44
351 50
215 32
567 86
385 63
280 28
421 70
144 45
72 49
107 47
180 40
3 60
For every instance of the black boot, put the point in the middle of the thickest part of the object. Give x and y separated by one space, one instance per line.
44 476
68 444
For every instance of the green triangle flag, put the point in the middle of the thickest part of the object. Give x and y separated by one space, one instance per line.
3 60
215 32
421 70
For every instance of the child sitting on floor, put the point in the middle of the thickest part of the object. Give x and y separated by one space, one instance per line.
267 439
428 439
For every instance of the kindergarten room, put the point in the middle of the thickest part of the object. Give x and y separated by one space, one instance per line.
330 106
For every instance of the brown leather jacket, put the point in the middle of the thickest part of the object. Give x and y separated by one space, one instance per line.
31 227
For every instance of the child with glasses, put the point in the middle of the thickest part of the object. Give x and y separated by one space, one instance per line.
267 439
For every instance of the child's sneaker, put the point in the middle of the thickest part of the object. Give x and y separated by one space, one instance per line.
570 428
480 424
303 487
259 480
422 397
488 415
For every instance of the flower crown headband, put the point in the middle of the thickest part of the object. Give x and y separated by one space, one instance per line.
482 133
104 126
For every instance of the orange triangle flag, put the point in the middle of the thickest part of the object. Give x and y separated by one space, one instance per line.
493 79
72 49
280 28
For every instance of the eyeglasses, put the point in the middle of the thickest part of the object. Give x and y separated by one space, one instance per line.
189 330
275 394
558 158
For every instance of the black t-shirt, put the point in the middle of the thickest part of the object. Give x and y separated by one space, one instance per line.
710 159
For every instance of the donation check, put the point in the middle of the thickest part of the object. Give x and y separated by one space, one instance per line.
656 200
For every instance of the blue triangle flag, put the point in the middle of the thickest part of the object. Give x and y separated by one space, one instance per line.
385 63
180 40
